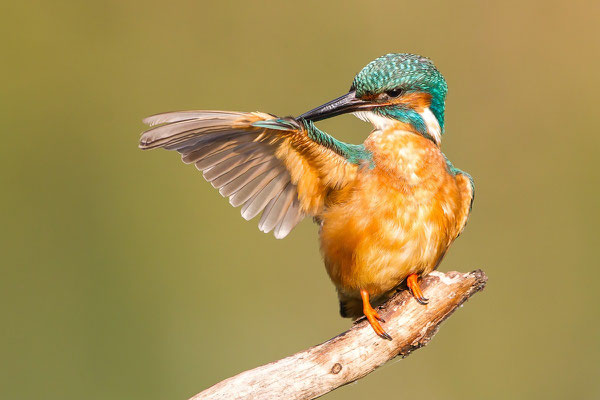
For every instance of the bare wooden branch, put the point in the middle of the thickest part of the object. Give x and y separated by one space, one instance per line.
357 352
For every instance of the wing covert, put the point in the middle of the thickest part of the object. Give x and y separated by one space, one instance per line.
467 191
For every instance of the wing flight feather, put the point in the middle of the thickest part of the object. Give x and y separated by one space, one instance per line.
261 162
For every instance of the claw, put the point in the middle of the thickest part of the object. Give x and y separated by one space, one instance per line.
373 316
422 300
413 284
385 335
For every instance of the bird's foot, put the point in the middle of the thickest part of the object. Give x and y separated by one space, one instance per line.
413 284
373 317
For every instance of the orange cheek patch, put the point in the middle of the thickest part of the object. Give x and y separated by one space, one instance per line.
418 101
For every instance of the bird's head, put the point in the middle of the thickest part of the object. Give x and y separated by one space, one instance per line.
395 88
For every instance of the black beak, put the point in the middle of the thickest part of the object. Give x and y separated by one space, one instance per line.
342 105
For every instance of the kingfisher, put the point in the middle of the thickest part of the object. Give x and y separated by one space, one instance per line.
387 209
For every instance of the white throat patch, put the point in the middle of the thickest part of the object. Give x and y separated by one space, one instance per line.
379 122
433 126
382 123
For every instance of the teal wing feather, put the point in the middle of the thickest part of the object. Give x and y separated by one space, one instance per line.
353 153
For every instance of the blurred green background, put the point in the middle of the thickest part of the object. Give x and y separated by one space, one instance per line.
126 276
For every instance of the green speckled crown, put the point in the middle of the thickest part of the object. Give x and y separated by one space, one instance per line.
409 72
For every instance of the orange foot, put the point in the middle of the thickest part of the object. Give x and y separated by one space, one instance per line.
372 316
413 284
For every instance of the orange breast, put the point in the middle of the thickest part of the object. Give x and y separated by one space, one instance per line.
395 219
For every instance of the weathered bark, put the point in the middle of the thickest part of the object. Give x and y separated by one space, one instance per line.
358 351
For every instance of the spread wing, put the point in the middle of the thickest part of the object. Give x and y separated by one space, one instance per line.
266 164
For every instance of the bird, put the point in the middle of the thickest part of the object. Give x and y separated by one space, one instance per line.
387 210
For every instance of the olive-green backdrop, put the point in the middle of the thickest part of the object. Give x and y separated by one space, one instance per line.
125 276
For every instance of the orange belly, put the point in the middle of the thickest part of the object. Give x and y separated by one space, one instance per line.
385 227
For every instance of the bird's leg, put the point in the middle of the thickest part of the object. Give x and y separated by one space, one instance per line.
372 316
413 284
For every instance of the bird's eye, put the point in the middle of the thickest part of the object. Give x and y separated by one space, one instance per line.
394 92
